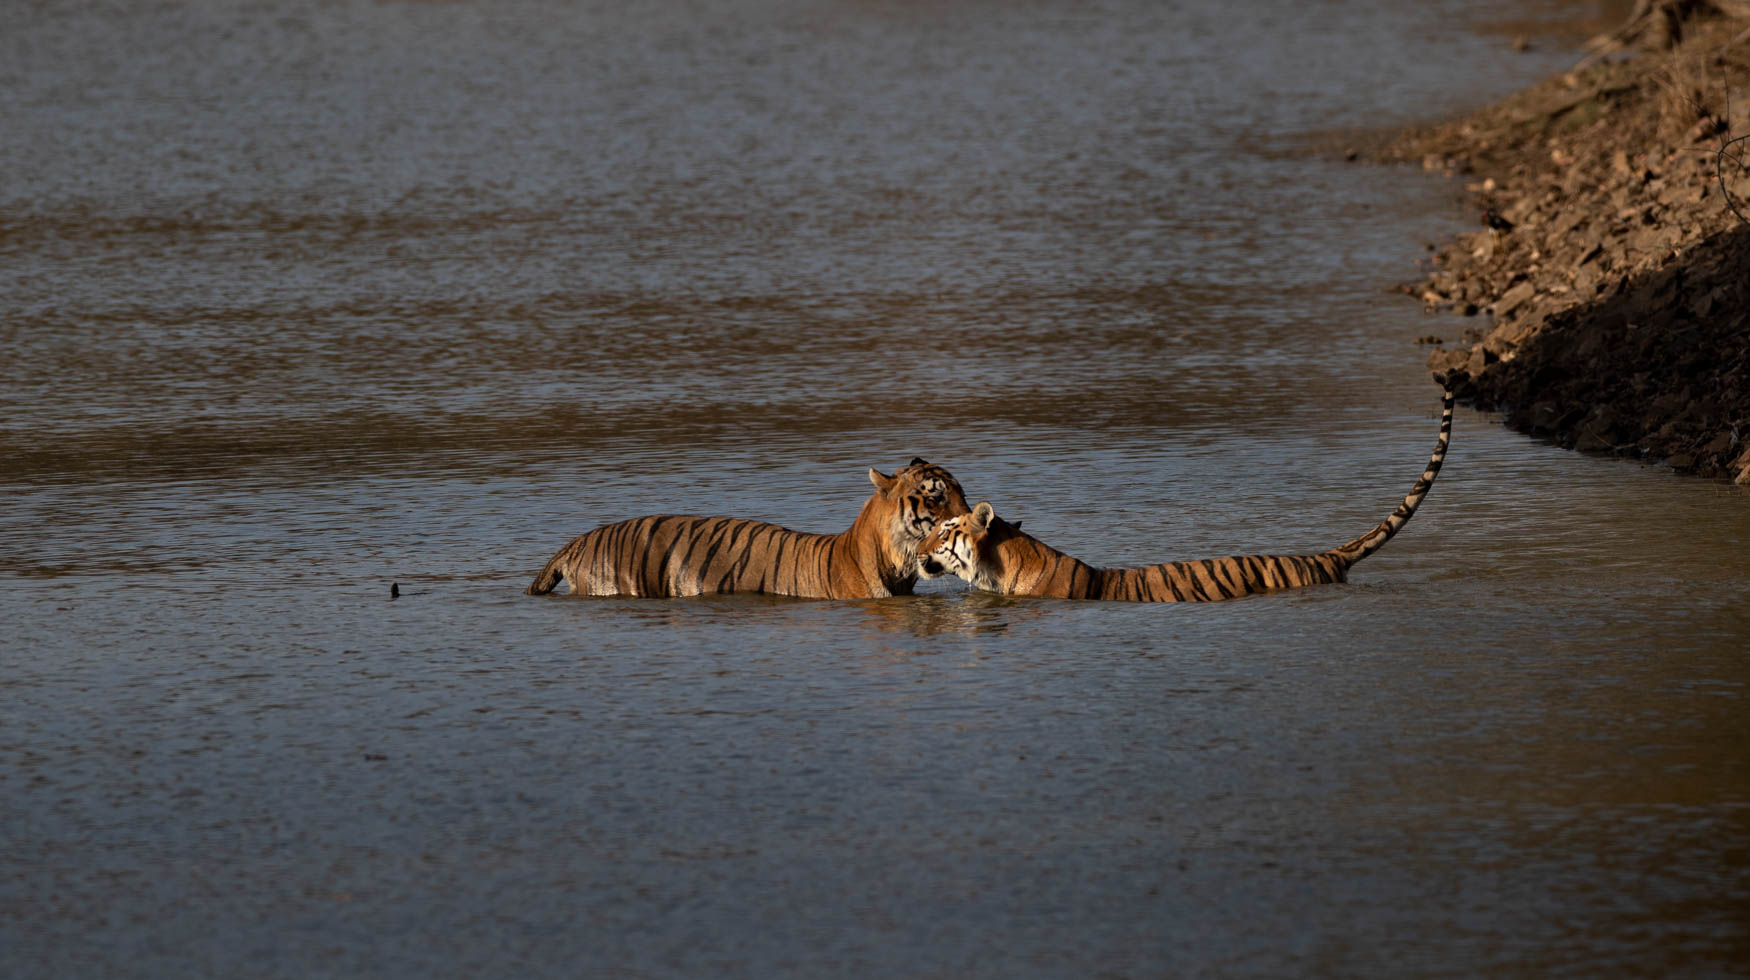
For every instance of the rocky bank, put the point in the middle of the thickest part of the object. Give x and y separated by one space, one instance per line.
1604 299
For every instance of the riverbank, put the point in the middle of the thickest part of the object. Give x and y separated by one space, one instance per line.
1604 299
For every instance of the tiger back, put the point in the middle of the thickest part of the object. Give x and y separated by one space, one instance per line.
683 555
997 556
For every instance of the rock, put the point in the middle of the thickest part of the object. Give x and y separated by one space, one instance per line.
1741 466
1512 298
1449 361
1598 432
1621 307
1563 226
1480 358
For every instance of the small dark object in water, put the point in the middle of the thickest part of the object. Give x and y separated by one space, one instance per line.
394 590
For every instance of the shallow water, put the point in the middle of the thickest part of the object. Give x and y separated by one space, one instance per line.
302 302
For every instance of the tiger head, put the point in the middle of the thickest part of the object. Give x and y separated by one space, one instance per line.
961 545
917 498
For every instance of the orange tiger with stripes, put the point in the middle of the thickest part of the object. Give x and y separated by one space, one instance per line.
997 556
675 555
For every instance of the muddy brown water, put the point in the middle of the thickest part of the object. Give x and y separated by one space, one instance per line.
302 301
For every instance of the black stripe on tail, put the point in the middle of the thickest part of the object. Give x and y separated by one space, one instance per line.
1373 540
550 576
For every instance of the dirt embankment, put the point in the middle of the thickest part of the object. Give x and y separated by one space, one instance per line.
1612 253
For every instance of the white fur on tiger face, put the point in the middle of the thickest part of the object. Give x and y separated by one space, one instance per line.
952 548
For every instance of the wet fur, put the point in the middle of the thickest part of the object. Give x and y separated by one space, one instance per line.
681 555
997 556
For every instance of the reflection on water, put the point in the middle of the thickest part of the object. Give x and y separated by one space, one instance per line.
950 614
890 623
301 302
922 616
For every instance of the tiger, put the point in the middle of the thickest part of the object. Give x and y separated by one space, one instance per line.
996 556
679 555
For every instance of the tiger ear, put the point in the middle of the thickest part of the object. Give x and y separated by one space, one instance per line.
983 514
918 461
882 481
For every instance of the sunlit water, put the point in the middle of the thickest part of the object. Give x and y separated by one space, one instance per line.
302 301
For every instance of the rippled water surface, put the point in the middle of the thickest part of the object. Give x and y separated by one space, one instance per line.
304 300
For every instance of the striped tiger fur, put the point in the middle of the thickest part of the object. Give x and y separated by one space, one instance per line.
997 556
676 555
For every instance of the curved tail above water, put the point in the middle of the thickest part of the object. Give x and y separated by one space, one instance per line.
1376 538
